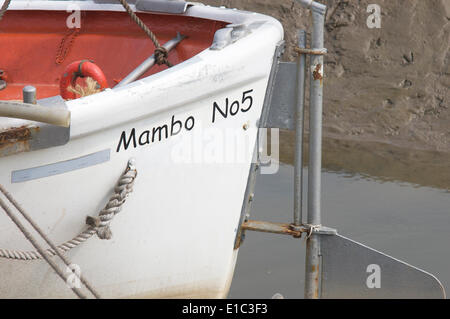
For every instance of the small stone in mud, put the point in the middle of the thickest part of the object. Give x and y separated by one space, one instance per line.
388 103
441 102
431 111
379 43
407 83
408 58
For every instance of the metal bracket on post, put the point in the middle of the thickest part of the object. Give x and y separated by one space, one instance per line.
281 93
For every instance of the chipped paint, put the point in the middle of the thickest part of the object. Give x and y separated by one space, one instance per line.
317 72
16 139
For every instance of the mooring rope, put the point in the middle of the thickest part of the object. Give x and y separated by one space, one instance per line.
4 8
97 225
161 53
36 245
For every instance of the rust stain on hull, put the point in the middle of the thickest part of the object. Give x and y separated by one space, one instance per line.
16 139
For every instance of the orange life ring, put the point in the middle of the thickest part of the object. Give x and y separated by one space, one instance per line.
82 68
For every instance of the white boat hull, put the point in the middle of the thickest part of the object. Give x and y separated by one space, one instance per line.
175 234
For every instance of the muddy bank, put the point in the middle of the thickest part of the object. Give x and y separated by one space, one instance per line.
387 85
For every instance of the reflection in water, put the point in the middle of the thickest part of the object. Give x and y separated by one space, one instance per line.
393 200
378 161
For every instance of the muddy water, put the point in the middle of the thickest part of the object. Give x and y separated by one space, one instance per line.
394 200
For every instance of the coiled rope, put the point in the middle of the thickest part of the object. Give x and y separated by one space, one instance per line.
161 53
97 225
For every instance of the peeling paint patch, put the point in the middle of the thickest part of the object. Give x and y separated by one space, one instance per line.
16 139
317 72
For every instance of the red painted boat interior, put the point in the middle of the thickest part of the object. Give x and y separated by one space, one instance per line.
30 40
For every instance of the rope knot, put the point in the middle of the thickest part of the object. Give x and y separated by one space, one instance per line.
161 55
103 231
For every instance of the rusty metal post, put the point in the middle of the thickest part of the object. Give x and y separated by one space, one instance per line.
298 162
312 267
274 228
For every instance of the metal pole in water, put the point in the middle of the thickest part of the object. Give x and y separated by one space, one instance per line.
312 271
298 161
